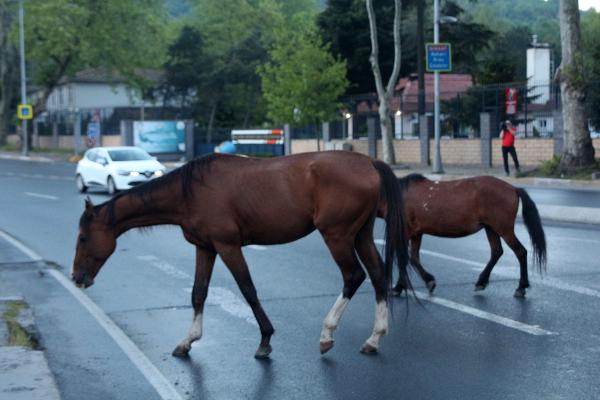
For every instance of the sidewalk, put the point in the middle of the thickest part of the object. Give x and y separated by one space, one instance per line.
24 371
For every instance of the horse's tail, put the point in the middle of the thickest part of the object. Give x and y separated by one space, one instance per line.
533 222
396 243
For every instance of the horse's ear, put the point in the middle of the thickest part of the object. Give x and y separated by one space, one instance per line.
89 206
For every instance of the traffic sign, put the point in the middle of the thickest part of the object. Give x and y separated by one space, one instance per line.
25 111
439 57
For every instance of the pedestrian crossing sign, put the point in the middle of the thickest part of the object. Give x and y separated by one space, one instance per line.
24 111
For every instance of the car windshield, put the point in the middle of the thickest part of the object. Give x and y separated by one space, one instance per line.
128 155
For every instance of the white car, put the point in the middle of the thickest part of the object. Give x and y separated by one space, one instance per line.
116 168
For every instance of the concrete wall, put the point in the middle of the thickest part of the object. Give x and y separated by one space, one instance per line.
64 142
531 152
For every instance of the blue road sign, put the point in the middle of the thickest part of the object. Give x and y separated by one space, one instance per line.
439 57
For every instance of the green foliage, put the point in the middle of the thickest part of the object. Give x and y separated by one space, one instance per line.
65 36
590 32
17 336
302 81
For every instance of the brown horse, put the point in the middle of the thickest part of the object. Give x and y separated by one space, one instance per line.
461 207
223 202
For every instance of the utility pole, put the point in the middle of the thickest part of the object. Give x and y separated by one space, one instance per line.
421 58
437 160
25 139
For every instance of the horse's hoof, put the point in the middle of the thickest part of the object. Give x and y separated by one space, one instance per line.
181 352
431 286
479 287
325 346
368 349
263 352
396 291
520 293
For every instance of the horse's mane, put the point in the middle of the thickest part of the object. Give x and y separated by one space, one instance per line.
409 179
186 175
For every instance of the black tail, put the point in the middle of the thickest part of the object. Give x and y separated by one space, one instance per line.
532 220
396 243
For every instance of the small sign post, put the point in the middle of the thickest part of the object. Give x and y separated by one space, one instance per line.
25 111
439 57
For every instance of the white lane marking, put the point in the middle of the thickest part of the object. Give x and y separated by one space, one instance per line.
548 281
450 258
160 383
229 302
41 196
25 250
165 267
530 329
256 247
217 296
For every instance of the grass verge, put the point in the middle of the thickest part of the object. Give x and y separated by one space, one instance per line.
17 336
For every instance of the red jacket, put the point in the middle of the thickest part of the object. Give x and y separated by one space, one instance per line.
508 137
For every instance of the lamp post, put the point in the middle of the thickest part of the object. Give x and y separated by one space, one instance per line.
437 160
25 140
348 122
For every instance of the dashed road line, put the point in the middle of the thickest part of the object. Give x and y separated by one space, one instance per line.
41 196
530 329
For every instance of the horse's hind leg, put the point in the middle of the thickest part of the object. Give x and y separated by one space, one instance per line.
234 260
205 260
521 253
496 253
372 261
342 251
415 260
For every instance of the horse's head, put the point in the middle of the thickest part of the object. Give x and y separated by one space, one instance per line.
95 243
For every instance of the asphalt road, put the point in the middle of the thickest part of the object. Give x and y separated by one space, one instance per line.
458 345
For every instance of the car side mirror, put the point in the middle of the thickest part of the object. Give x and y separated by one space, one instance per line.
102 161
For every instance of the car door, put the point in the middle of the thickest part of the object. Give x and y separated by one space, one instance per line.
102 169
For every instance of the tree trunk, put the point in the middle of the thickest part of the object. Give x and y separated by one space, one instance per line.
211 121
385 94
578 150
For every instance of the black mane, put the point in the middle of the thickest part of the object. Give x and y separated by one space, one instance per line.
409 179
186 175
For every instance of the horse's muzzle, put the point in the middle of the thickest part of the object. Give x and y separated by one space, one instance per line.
82 280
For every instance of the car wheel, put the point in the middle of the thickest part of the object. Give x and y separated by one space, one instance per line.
110 186
80 184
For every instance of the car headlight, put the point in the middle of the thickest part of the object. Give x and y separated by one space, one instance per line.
158 173
128 173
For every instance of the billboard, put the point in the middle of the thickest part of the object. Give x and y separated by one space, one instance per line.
159 136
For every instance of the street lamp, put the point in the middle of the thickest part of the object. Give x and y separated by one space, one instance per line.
25 141
348 122
399 123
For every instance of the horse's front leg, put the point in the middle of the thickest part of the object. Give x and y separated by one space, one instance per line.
205 260
234 260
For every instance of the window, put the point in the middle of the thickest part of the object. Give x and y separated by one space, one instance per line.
542 123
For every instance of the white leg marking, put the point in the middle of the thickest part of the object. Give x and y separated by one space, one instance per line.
333 318
195 332
381 324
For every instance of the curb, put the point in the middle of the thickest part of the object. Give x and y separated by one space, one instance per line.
579 215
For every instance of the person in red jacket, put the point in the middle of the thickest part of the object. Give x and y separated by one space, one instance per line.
507 134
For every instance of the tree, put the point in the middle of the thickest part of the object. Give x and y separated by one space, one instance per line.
590 31
8 68
65 36
578 150
302 81
385 93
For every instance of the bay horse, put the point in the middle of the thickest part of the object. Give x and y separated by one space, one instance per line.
223 202
464 206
